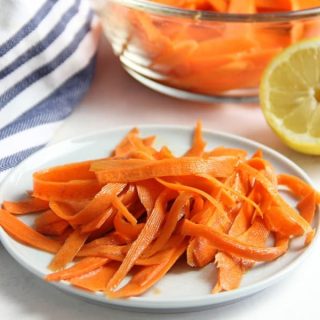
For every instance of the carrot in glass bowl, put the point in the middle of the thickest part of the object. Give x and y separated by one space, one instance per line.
208 47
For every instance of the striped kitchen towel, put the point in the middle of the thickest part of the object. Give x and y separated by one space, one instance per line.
47 58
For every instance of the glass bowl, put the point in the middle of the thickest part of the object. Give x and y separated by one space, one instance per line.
200 55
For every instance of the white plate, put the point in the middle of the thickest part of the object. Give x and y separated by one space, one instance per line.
183 289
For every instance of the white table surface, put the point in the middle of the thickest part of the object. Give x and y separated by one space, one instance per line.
115 100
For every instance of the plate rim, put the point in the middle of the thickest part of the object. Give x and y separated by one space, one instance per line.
173 303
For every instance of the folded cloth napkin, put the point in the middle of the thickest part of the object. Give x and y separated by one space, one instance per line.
47 58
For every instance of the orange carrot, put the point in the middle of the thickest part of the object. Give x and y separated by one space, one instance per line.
124 146
97 279
113 238
144 239
80 268
200 251
198 144
229 273
105 250
62 210
46 217
63 183
222 151
298 187
240 6
98 204
219 5
180 187
122 209
53 229
25 206
307 206
26 234
133 170
204 56
229 244
126 229
148 192
105 218
216 205
68 250
118 253
281 217
170 223
100 220
147 276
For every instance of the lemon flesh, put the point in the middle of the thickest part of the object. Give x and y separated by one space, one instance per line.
290 96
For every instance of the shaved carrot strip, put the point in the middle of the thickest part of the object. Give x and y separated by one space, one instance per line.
104 250
125 146
199 144
149 141
203 251
170 223
113 238
105 218
296 185
147 276
133 170
96 280
240 195
222 151
70 182
180 187
256 234
25 206
243 219
281 217
131 144
118 253
197 205
144 239
229 273
240 6
140 146
224 242
62 210
263 165
282 5
46 217
126 229
26 234
53 229
148 192
164 153
100 220
219 5
307 206
200 251
122 209
68 250
98 204
78 269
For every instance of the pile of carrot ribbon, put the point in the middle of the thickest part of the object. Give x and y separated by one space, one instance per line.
136 212
213 56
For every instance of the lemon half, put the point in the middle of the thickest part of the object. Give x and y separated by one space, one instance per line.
290 96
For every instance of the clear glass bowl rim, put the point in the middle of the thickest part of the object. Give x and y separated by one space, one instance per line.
165 10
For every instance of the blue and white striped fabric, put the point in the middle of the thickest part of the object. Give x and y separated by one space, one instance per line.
47 59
